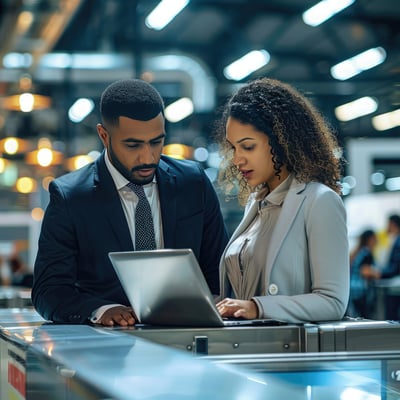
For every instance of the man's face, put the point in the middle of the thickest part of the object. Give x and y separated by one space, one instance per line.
393 229
134 147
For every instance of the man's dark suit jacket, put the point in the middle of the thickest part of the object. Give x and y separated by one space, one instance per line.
393 266
84 221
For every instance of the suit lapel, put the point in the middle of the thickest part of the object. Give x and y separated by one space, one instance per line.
167 190
109 204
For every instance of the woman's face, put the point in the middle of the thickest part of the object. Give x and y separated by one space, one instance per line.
252 154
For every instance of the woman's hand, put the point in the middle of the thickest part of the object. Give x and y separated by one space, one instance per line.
246 309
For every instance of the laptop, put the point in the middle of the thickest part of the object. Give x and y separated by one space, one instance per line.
167 288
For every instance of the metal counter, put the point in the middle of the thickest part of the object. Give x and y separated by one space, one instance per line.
109 366
346 335
11 297
230 340
385 287
339 360
327 376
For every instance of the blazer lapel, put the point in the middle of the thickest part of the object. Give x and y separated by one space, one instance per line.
290 208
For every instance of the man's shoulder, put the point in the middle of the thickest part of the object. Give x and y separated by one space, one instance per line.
180 166
76 176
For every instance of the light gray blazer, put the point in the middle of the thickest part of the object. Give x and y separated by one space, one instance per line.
307 265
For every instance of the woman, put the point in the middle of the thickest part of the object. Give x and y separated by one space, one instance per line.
288 258
362 291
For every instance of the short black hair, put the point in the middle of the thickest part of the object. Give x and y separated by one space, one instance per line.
132 98
395 219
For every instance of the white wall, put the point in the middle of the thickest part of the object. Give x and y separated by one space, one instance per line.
360 155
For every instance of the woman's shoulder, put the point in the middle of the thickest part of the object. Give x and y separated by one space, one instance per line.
316 190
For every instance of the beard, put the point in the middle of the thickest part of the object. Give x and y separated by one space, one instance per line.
129 173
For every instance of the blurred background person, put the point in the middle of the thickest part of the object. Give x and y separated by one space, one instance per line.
362 291
391 269
20 275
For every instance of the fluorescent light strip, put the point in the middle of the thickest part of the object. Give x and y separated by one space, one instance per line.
386 121
355 109
393 184
324 10
359 63
179 110
247 64
164 13
80 109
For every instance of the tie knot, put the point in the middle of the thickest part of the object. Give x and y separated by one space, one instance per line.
137 189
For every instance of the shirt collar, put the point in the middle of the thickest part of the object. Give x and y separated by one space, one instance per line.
279 193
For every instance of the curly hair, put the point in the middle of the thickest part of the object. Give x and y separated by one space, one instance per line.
299 137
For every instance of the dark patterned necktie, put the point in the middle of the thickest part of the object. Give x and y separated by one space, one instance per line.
144 226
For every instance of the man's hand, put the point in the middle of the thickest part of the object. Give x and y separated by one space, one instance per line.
368 272
119 315
237 308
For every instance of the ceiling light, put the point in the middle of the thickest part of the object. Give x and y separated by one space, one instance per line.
25 101
44 156
393 184
79 161
247 64
386 121
3 164
80 109
17 60
164 13
26 184
178 150
359 63
13 145
324 10
179 110
356 109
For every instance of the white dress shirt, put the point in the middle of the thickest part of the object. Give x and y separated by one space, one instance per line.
129 202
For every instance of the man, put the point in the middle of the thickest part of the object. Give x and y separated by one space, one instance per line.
92 212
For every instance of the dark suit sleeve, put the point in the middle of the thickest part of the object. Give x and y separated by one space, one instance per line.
215 237
393 267
73 275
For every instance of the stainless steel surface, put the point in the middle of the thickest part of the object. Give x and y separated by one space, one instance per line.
14 297
359 335
119 366
133 368
19 316
232 340
41 360
385 287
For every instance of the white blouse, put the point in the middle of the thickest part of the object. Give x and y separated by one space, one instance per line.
246 256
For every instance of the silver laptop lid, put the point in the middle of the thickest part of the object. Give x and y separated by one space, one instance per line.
166 287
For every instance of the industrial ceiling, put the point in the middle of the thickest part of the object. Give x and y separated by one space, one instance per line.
99 41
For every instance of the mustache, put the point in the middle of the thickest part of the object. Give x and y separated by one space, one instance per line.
143 166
